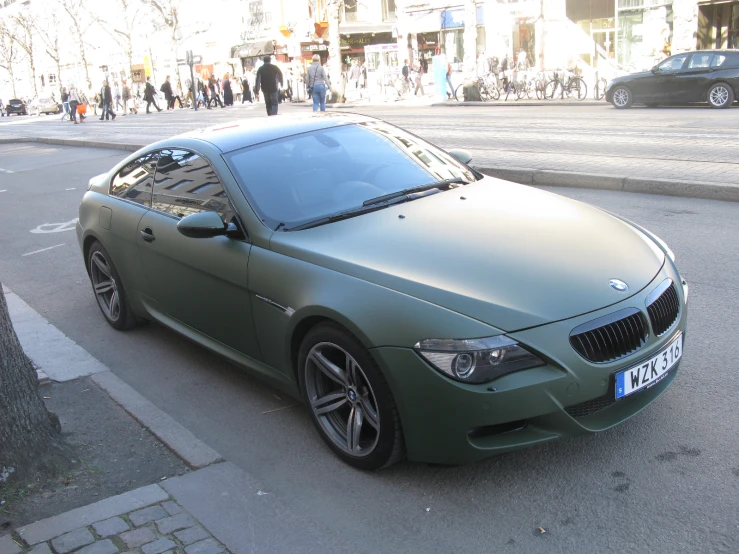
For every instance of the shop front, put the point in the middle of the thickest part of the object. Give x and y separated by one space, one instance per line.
452 34
643 34
718 24
353 45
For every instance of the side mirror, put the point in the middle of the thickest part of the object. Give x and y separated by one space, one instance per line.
462 155
655 69
203 225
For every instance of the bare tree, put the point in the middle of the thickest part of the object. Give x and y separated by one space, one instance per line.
29 434
25 24
8 52
122 26
49 35
333 9
76 11
168 12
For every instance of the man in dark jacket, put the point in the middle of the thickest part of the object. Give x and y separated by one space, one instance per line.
107 97
166 88
149 94
269 79
214 94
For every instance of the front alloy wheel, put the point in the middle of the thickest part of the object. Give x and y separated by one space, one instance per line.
349 399
621 98
720 96
106 284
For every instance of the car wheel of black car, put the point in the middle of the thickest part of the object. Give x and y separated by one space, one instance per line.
621 98
108 289
349 399
720 95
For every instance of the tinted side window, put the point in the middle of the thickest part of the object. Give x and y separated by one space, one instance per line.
134 181
185 183
732 61
700 60
674 63
718 60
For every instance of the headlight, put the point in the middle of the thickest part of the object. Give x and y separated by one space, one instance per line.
476 360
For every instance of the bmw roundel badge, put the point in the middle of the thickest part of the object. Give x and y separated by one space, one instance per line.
618 285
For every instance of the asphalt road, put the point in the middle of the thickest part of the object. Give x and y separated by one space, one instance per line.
665 481
681 143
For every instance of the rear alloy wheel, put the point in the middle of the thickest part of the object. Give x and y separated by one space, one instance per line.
720 95
621 98
106 284
349 399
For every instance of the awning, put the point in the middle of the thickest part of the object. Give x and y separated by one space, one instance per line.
423 22
355 28
252 49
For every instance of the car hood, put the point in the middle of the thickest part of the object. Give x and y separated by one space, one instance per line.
631 77
509 255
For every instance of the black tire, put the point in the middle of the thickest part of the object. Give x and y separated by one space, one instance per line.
367 393
551 89
119 317
621 97
459 93
720 96
578 88
521 91
494 93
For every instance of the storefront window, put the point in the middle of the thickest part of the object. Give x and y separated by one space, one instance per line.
644 37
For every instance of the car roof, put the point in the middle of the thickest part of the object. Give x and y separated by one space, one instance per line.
238 134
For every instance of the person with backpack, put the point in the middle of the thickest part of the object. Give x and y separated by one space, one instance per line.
317 81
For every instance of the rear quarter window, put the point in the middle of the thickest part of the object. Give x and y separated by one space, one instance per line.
731 61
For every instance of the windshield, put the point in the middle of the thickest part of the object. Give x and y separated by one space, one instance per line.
304 177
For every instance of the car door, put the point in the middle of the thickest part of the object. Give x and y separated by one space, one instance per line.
662 85
692 81
201 283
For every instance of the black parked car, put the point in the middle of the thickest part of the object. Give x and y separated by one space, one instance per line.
704 76
16 106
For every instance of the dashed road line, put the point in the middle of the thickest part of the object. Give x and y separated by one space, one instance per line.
5 170
42 250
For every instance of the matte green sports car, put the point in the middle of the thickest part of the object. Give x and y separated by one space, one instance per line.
417 306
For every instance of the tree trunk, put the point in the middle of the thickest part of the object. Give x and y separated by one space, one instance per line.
470 38
12 79
27 429
334 51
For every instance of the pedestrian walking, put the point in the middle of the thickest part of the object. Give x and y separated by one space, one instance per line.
166 88
107 97
117 97
214 94
65 103
247 91
126 97
74 101
449 79
317 84
228 96
149 96
419 81
269 79
2 109
406 71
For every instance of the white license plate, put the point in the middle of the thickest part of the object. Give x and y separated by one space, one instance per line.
650 371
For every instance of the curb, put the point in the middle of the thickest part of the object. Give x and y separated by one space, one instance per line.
517 103
663 187
527 176
32 328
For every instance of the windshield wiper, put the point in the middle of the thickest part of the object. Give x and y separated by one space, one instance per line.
419 188
345 214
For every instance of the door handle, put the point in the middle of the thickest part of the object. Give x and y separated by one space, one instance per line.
148 235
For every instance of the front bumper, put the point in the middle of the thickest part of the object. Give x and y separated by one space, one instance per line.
449 422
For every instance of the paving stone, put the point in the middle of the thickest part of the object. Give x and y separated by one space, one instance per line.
42 548
112 526
8 545
208 546
100 547
146 515
138 537
175 523
72 540
191 535
158 546
172 508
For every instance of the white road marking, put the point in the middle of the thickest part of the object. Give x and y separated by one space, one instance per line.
55 227
4 190
42 250
5 170
70 189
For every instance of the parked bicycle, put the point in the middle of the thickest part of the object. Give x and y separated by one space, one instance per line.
600 87
571 86
487 86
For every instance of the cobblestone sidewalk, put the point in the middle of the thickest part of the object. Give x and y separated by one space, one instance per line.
143 521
